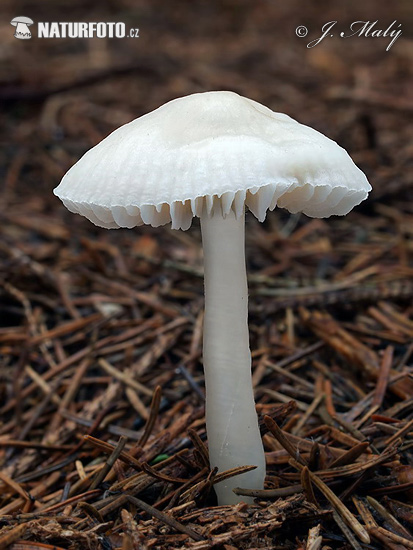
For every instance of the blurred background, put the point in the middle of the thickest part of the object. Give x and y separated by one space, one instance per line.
64 95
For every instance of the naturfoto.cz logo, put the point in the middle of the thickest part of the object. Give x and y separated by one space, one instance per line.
72 29
22 27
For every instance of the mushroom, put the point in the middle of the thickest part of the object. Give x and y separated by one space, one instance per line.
22 27
211 155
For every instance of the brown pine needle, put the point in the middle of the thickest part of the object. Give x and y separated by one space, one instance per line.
365 513
14 534
108 448
165 518
400 433
389 518
383 378
222 476
282 440
346 531
307 487
29 545
14 486
127 380
351 455
306 416
199 446
269 493
154 411
336 503
396 538
109 463
158 475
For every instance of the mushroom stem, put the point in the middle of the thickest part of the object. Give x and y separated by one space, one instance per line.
22 30
232 426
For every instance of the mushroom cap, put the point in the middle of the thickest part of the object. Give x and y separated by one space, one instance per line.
176 161
21 19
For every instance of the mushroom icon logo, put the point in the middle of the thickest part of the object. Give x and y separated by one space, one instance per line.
22 27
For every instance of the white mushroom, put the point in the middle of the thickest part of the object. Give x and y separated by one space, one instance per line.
22 24
211 155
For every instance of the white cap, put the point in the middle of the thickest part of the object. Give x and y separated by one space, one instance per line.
21 19
206 148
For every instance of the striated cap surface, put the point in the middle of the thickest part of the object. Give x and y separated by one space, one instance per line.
172 163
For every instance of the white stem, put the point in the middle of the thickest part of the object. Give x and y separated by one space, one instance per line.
23 30
232 425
